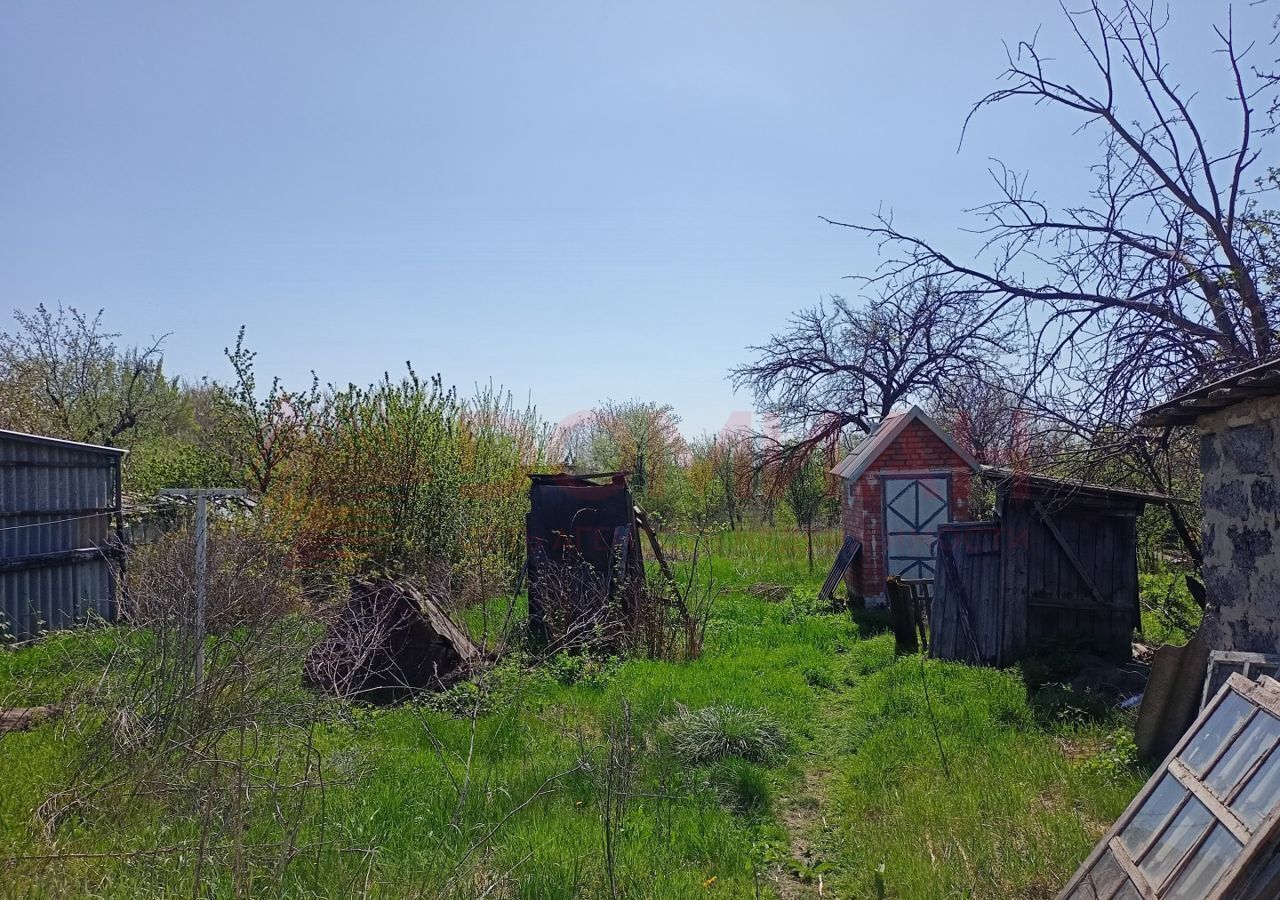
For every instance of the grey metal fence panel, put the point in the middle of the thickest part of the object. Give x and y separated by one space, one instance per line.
59 508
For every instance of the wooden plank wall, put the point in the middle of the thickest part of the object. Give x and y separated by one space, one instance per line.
967 619
1059 604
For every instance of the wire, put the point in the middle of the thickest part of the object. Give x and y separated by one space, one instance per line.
97 515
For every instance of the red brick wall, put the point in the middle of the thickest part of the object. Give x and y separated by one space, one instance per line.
916 451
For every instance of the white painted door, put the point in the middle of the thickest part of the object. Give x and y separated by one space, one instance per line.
913 509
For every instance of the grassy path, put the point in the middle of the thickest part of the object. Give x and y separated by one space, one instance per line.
875 813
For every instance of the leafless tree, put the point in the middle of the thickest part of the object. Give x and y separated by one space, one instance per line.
1154 279
845 364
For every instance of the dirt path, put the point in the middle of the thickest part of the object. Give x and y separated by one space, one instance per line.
804 817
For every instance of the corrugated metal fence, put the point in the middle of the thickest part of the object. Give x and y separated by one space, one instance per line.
59 509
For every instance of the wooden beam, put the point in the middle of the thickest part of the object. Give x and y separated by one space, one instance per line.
1131 869
1240 831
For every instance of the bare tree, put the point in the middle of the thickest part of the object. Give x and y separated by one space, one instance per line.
1153 280
1159 278
845 364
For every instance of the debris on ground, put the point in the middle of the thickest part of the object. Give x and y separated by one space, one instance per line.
389 641
769 592
25 718
1111 679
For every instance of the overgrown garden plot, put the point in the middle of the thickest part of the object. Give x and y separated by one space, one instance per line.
569 779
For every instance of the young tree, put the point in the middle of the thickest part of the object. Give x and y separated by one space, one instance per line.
63 375
806 492
259 434
729 456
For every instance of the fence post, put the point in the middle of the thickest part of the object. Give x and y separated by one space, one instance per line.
201 496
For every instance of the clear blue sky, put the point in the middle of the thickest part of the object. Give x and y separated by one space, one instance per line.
578 200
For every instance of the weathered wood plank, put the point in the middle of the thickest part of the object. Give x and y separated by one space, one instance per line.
26 718
1069 552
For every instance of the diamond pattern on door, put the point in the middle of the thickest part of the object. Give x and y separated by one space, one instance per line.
913 509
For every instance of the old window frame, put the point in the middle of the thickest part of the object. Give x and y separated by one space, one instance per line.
1262 698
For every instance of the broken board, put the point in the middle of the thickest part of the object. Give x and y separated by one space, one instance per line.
1223 662
849 550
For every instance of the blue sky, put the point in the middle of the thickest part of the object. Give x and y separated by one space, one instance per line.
576 200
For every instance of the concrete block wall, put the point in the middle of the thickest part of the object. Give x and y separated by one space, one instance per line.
1240 460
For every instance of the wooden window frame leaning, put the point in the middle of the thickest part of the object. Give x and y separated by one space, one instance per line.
1250 663
1264 696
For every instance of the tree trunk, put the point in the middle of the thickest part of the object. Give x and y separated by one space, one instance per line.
809 529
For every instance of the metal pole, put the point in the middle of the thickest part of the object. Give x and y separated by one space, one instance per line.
201 496
202 536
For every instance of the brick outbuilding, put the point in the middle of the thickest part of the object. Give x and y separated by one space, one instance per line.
898 485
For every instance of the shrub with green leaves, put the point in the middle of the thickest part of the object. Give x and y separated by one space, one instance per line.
1118 761
721 732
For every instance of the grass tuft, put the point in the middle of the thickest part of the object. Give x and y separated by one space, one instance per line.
721 732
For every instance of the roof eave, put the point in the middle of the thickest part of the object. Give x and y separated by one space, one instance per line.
59 442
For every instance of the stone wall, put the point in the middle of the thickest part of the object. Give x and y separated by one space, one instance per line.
1240 459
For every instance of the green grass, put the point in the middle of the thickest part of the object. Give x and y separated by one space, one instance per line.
1169 614
858 795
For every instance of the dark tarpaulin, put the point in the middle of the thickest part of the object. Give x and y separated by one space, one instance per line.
575 520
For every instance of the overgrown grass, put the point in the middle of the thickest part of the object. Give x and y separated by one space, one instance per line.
1169 614
419 800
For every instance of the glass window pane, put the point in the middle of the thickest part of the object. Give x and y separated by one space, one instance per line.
1205 745
1259 737
1153 812
1128 892
1213 857
1261 794
1103 878
1186 828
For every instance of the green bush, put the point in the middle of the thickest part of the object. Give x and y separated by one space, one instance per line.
1060 705
1118 760
1169 614
721 732
583 668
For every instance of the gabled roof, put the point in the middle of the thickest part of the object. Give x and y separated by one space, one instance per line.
58 442
884 434
1259 381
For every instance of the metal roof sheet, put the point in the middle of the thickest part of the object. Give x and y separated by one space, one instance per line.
1068 486
59 442
1259 381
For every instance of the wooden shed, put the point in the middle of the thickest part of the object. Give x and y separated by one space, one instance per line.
1059 563
899 485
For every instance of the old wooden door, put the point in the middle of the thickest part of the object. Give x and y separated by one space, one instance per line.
914 507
